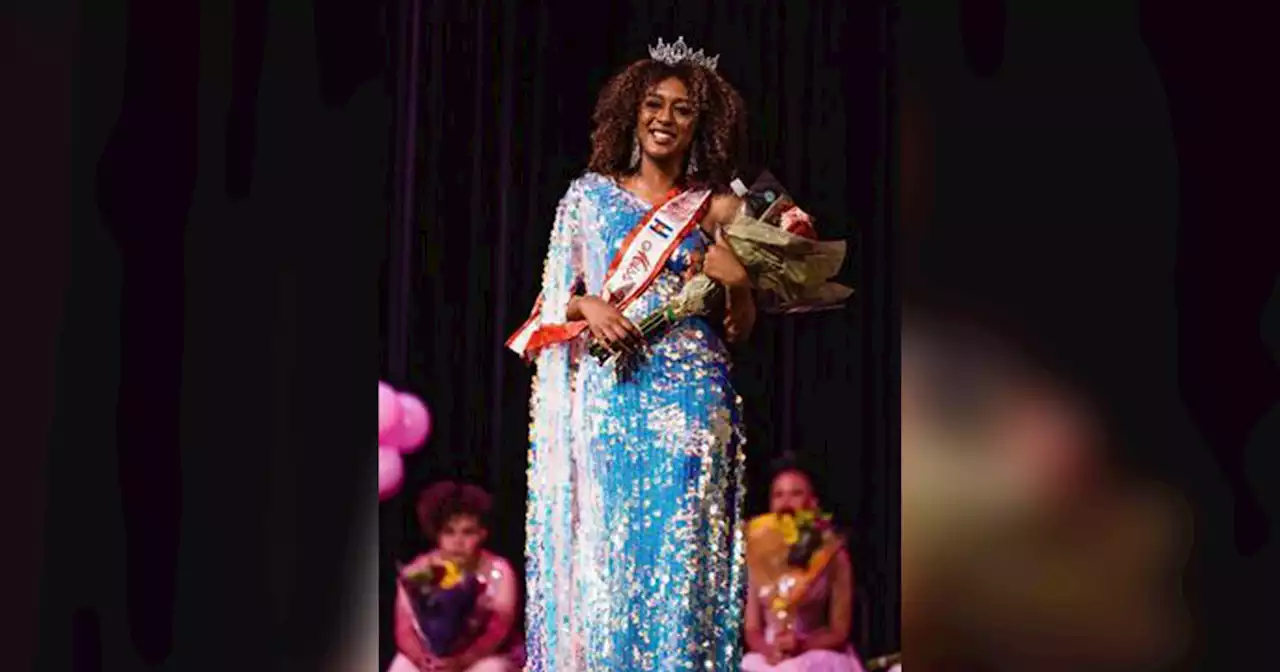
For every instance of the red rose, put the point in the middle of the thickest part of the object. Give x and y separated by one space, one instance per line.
437 574
798 223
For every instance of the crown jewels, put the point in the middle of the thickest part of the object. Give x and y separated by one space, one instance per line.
679 51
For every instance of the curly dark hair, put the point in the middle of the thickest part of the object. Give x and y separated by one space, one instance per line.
719 133
789 463
442 502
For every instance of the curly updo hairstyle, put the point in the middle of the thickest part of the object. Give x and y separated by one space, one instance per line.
719 130
440 503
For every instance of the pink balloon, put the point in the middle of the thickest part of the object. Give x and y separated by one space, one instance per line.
414 426
388 410
390 473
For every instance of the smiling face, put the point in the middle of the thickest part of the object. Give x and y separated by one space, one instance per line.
666 121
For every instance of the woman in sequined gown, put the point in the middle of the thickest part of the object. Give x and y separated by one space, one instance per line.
635 555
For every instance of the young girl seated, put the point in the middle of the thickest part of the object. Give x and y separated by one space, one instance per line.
816 639
454 518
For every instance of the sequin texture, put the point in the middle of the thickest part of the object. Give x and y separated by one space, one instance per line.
635 554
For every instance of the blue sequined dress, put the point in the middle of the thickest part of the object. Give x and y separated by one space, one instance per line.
635 555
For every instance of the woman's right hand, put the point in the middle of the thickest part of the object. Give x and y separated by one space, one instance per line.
608 325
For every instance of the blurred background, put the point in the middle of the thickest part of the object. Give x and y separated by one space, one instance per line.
1088 397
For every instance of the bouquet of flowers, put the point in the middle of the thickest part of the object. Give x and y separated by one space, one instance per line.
777 244
442 597
786 552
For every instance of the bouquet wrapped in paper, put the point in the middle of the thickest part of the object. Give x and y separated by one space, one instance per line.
442 598
777 244
786 552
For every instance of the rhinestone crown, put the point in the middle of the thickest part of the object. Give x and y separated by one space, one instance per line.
679 51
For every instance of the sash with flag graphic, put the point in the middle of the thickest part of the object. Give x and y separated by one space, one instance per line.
640 258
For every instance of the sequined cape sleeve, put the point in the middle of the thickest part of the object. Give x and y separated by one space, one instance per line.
549 523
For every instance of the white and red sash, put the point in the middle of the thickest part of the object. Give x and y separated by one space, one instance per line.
641 257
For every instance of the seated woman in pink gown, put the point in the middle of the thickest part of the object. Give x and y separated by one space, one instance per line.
453 517
817 637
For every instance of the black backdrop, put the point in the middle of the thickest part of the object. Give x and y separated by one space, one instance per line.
218 220
1089 184
504 94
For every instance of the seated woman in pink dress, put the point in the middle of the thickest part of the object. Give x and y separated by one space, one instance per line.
816 638
453 517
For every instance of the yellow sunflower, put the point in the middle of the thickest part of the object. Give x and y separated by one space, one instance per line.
452 575
790 530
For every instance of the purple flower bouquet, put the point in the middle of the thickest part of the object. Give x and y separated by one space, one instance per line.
442 598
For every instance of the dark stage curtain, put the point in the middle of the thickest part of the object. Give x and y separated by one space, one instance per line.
502 123
227 194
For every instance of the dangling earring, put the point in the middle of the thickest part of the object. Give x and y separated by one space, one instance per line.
693 160
635 153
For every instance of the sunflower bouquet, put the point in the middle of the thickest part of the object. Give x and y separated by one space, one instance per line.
786 552
442 597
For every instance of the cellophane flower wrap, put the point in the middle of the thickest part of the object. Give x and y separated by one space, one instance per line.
778 246
786 552
443 598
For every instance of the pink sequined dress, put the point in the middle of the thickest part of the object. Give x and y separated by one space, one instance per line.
810 615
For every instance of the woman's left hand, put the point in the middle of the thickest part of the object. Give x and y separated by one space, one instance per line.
788 645
722 265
